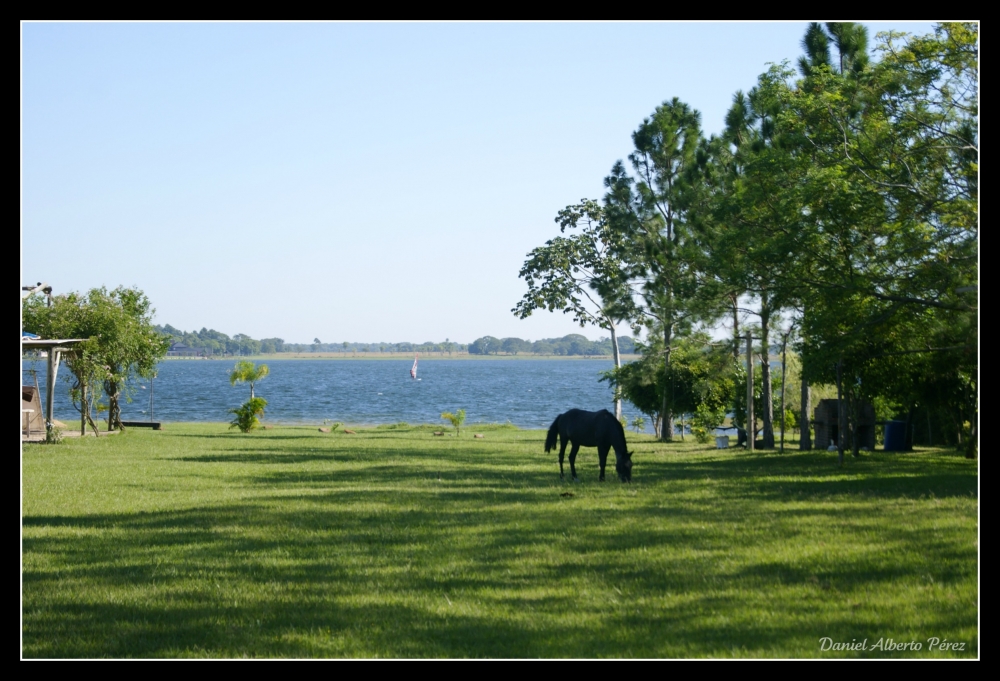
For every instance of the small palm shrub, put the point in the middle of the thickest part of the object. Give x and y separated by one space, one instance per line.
247 413
456 419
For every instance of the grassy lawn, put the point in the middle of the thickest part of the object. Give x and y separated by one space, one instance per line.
197 541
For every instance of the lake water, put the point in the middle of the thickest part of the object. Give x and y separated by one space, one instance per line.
529 393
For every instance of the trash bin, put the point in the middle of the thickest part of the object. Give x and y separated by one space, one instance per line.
722 442
895 436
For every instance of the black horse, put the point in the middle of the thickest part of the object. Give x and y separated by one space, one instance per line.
590 429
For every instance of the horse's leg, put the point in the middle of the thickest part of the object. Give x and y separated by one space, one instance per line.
572 461
602 455
562 451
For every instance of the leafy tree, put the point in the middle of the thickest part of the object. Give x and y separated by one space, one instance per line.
485 346
581 274
893 202
756 236
248 372
512 346
456 420
652 212
863 176
701 376
272 345
122 344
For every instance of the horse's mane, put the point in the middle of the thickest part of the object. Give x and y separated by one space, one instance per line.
620 429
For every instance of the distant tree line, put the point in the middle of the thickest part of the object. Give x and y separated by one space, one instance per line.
212 343
571 345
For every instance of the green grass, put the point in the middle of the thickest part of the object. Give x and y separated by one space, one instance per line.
197 541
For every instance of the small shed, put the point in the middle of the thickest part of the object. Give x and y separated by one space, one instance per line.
32 420
827 425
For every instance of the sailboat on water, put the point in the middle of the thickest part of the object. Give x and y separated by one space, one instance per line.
413 369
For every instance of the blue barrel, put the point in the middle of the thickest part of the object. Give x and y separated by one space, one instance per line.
895 436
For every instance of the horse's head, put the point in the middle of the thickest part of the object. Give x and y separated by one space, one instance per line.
624 467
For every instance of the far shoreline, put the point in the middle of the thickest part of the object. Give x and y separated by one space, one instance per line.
280 356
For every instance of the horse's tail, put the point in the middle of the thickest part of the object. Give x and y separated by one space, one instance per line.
553 436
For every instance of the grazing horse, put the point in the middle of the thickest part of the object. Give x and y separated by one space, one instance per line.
590 429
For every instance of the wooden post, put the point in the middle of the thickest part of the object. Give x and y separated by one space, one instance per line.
805 438
50 385
751 418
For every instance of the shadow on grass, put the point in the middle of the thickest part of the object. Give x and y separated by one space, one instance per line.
259 581
450 553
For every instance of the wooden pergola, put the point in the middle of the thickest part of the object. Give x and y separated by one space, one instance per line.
54 348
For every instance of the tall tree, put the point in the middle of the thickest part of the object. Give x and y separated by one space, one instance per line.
582 274
890 201
652 213
756 234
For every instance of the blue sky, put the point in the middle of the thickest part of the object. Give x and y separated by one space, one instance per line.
363 182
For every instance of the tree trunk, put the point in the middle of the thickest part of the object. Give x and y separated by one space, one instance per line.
855 402
805 437
618 365
667 430
908 436
736 353
784 357
114 409
736 328
972 448
765 376
751 425
840 415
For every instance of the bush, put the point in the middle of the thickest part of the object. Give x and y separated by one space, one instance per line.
53 435
456 419
246 415
704 421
